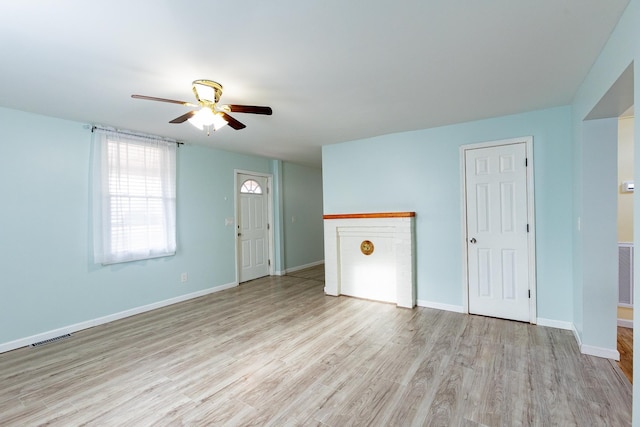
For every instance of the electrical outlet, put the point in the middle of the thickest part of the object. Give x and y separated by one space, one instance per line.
184 277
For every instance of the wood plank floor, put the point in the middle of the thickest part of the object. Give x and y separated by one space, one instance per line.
277 351
625 347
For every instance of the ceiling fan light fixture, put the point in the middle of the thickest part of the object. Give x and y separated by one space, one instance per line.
211 115
219 121
206 117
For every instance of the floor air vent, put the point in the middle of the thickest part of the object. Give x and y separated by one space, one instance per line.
50 340
625 274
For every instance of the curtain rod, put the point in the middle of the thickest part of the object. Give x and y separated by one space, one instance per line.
132 133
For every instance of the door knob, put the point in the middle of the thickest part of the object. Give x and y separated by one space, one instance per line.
473 240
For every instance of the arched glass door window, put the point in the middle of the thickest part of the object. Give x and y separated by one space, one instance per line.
251 186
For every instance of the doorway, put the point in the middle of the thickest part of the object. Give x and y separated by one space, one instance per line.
499 229
597 222
625 241
253 225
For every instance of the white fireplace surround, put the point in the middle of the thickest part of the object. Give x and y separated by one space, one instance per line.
388 273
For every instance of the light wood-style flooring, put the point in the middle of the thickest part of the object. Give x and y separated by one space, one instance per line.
277 351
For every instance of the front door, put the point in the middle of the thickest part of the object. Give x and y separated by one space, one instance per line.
252 227
497 241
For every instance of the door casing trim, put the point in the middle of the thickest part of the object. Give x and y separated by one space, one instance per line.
531 236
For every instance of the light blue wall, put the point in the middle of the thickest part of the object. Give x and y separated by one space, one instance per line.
599 229
302 210
578 317
278 207
420 171
48 278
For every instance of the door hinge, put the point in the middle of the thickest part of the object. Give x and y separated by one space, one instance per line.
268 226
526 162
269 264
529 293
527 228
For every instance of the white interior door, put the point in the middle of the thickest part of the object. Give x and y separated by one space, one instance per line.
497 241
252 227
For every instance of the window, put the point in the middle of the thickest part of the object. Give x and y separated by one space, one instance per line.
251 187
134 197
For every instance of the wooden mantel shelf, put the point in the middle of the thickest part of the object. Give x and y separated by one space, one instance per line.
371 215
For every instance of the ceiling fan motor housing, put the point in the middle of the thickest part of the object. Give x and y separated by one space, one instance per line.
204 89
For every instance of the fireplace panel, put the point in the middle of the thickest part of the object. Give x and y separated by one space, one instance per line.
371 257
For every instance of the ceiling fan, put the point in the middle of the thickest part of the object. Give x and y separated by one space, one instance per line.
210 115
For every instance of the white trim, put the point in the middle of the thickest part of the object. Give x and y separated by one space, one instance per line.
607 353
270 195
558 324
625 323
23 342
440 306
576 335
401 234
531 241
590 350
301 267
531 236
465 249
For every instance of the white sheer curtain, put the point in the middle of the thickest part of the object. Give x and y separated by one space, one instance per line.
134 197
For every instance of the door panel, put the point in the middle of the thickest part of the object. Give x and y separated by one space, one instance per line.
253 232
497 246
245 251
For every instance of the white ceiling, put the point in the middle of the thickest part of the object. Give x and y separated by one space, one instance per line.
332 70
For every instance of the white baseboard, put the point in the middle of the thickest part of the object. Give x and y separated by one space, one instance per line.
591 350
576 335
23 342
607 353
302 267
625 323
440 306
558 324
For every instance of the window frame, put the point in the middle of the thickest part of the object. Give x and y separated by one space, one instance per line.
251 185
134 197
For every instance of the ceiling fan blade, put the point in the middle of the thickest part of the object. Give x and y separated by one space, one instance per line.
183 118
253 109
233 122
172 101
